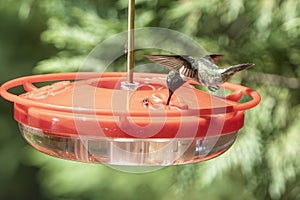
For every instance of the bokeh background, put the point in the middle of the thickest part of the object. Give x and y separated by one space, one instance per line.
46 36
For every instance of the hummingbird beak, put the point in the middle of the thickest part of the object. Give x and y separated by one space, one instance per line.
169 98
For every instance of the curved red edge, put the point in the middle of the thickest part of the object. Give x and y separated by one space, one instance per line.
27 81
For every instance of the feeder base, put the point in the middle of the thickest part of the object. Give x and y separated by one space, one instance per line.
128 151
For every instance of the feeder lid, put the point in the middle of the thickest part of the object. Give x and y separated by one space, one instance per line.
97 105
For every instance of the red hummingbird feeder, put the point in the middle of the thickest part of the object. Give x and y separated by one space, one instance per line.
118 126
109 118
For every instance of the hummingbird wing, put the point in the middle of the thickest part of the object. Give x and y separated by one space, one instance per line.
180 63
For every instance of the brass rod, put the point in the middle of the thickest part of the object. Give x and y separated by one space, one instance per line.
130 45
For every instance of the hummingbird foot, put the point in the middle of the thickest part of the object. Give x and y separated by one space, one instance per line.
213 88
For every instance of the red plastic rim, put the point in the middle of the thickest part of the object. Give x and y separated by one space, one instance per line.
27 81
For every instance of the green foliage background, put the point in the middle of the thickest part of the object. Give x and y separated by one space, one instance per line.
43 36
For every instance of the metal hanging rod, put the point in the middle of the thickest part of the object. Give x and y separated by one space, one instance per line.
130 45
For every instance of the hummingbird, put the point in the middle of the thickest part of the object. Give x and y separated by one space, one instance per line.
203 70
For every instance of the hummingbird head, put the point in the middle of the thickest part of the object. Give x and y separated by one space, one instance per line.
174 81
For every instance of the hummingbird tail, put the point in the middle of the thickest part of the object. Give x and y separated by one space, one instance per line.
230 71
